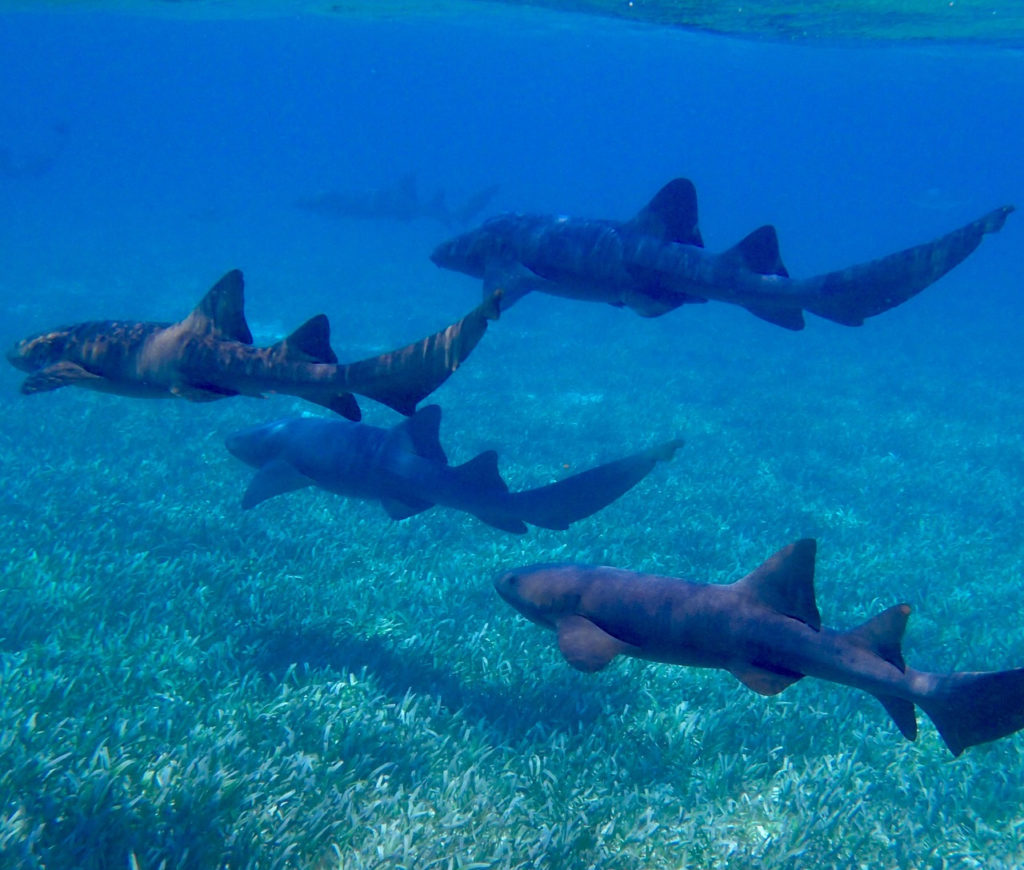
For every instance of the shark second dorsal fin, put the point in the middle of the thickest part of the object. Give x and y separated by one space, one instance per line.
482 471
759 252
311 342
222 310
785 583
883 634
671 215
420 434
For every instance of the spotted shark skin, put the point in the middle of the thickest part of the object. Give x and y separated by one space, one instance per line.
209 355
766 630
656 262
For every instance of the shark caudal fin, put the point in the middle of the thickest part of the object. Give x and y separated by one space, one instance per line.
851 295
560 504
970 708
402 378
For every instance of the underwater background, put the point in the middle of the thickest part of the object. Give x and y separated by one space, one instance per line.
309 684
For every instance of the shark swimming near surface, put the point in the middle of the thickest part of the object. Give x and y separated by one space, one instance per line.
400 202
766 630
405 468
656 262
209 355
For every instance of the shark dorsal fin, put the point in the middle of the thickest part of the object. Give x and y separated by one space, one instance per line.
883 634
671 215
785 583
420 434
311 342
222 310
759 252
483 471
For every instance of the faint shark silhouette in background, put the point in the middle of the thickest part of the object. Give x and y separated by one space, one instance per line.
656 262
406 469
399 202
766 630
209 355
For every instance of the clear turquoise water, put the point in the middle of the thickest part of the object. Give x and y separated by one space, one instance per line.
310 684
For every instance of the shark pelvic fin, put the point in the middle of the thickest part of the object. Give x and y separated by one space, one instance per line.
311 342
222 310
671 215
763 681
883 634
586 646
788 318
785 583
274 478
420 434
400 509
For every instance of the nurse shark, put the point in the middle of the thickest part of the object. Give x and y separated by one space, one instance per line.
656 262
405 468
209 355
765 629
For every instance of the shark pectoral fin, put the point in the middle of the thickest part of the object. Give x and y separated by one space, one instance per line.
60 374
512 279
272 479
903 714
763 681
787 318
785 583
586 646
399 509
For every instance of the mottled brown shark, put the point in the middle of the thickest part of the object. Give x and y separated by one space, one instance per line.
766 630
209 356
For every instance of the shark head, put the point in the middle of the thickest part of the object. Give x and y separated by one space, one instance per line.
258 445
38 351
473 252
543 593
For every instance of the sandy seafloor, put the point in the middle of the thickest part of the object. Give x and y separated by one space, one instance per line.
312 685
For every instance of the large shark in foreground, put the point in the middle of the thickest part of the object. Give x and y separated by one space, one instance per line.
209 355
406 469
656 262
765 629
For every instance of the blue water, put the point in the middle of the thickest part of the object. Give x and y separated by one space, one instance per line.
179 147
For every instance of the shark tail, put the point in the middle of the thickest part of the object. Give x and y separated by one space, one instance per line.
851 295
402 378
560 504
975 707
